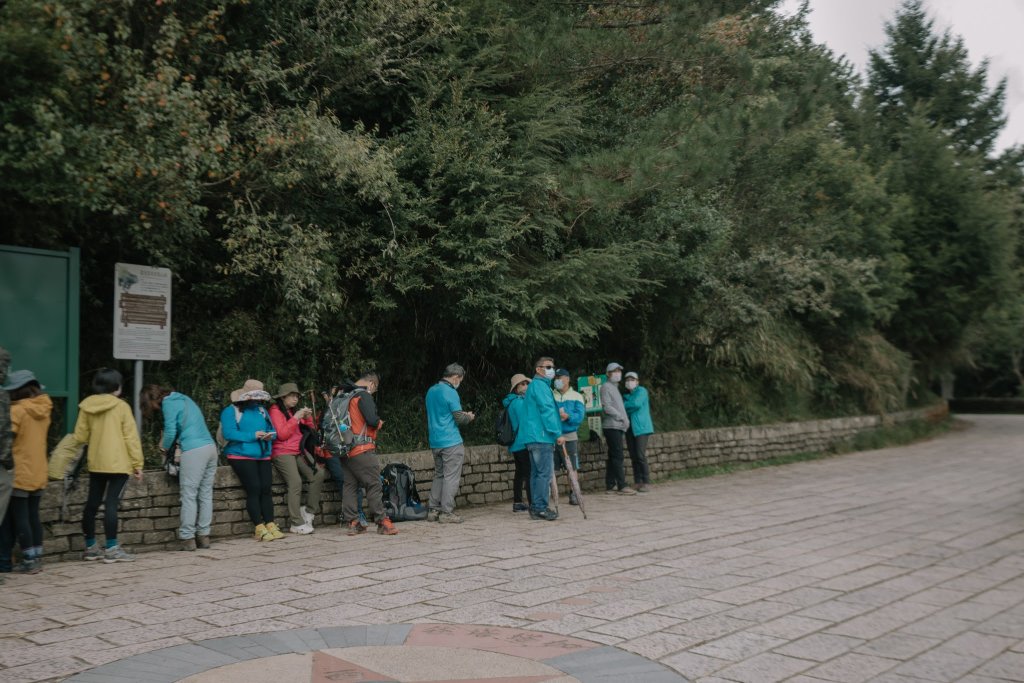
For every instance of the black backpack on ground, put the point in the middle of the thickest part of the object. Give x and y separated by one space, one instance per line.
503 432
401 501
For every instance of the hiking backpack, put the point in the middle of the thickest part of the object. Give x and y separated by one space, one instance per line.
503 431
401 500
336 425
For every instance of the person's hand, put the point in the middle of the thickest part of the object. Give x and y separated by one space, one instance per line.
560 440
564 415
138 474
472 416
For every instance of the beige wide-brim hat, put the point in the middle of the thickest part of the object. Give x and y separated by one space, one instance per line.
252 390
287 388
517 379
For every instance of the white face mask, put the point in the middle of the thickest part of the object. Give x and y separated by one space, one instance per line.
615 377
631 384
559 384
549 373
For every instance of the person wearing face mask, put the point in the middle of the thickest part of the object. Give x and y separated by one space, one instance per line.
362 466
638 407
614 423
542 430
444 417
515 404
571 412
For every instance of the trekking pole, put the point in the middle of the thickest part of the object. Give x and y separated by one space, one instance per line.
312 406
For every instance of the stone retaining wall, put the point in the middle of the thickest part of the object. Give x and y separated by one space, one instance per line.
149 510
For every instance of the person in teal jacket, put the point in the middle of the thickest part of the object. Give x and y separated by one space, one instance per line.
571 411
515 404
185 425
246 426
541 429
638 407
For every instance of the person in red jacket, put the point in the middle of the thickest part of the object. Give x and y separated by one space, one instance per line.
362 466
288 461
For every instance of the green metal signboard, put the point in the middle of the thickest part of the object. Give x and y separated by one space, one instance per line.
39 318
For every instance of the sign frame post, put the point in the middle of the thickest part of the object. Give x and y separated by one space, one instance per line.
142 320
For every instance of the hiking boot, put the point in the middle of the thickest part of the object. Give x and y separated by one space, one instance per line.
520 507
643 488
188 544
449 518
262 533
307 516
549 515
302 529
355 528
203 542
610 491
117 554
28 566
572 498
387 527
274 531
627 491
432 515
93 552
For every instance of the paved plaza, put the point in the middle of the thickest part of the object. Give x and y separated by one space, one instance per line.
901 565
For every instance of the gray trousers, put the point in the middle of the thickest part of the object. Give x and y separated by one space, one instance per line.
195 479
293 469
447 475
362 470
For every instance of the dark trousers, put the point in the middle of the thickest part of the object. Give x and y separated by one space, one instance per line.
361 471
106 489
521 478
638 456
256 476
615 472
27 526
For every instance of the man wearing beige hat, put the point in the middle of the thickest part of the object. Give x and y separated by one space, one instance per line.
614 423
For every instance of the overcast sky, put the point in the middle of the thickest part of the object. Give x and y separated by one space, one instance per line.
990 29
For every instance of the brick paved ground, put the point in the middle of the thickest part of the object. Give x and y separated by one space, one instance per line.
899 565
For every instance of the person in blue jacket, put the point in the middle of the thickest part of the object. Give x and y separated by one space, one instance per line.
638 407
541 430
249 433
515 404
571 411
185 426
444 418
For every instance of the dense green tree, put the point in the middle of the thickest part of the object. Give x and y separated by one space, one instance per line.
935 119
687 187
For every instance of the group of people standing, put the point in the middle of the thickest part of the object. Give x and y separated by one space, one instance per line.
546 414
257 440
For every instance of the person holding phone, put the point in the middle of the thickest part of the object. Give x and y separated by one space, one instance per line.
286 458
249 433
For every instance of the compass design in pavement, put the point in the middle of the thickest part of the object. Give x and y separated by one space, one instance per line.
400 653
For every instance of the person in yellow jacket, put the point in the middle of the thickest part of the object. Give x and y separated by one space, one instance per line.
106 424
30 420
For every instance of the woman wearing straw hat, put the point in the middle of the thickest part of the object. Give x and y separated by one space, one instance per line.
249 434
287 459
520 456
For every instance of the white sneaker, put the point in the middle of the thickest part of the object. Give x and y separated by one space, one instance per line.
304 529
307 515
